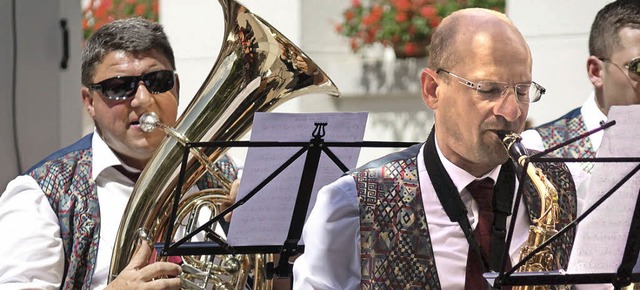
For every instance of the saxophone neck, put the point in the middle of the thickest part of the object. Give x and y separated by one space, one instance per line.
544 226
519 155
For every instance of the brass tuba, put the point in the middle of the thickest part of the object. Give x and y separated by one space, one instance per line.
257 69
545 226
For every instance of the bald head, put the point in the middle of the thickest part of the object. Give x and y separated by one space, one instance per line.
470 33
476 49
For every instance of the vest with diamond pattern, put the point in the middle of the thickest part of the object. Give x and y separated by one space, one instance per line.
395 246
65 179
564 128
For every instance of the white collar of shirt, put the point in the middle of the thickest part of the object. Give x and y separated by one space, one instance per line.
459 176
450 247
592 116
103 157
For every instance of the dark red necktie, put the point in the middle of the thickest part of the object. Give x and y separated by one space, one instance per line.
482 193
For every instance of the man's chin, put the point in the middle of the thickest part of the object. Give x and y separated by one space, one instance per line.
499 153
142 148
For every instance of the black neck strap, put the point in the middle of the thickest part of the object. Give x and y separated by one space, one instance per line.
457 212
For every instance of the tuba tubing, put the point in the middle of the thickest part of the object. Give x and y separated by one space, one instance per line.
254 72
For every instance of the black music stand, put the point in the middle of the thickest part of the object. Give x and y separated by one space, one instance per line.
621 278
290 247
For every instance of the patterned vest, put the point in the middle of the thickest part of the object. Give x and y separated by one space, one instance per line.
395 246
65 179
564 128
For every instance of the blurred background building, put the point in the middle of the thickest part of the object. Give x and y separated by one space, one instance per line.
41 108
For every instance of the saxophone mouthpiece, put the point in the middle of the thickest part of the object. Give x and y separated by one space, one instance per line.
511 142
503 134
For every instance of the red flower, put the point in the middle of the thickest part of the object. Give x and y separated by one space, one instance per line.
354 44
428 11
401 5
399 22
101 11
370 19
410 48
348 15
433 22
85 24
401 16
96 13
377 10
371 36
140 9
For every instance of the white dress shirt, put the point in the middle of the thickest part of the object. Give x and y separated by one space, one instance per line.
32 254
592 117
332 233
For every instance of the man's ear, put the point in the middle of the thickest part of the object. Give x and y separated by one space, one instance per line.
87 101
430 82
594 70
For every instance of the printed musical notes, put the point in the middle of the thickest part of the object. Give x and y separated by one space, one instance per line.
264 220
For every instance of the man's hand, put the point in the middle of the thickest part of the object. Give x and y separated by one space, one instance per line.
140 275
233 193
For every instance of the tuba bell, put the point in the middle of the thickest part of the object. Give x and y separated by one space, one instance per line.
257 69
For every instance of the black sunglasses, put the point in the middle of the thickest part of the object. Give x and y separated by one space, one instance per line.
123 87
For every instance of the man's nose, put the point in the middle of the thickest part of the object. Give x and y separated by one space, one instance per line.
508 106
142 96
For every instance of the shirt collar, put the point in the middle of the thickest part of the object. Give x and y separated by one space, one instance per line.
592 116
459 176
103 157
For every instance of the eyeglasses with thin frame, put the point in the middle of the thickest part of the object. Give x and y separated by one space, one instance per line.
123 87
491 90
632 67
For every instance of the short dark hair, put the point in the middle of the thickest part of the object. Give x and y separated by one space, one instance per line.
441 49
133 35
604 37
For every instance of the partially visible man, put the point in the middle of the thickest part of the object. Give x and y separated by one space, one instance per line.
405 221
613 68
60 218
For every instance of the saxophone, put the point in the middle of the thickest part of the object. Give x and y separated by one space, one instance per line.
544 227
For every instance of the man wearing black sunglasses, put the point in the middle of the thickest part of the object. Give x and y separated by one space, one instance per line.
613 68
61 217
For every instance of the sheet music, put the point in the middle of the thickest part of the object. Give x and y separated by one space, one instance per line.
265 219
602 236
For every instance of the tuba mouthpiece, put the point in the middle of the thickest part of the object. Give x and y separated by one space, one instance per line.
149 121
